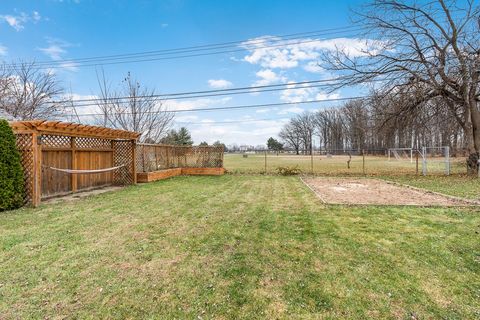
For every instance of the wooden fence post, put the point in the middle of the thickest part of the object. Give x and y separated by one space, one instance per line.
37 169
134 165
73 164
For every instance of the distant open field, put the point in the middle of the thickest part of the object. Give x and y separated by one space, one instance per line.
337 165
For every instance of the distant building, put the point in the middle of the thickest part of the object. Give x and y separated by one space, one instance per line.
245 147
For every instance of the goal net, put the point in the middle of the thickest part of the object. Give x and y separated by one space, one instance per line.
435 160
400 154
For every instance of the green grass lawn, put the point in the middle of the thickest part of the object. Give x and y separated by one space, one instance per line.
235 247
456 185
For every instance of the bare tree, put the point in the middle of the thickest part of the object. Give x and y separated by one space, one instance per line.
289 134
304 125
5 78
433 45
27 92
135 108
331 127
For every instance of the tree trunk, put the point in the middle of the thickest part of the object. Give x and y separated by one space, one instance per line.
474 145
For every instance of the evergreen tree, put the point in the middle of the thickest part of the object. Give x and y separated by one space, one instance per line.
274 144
183 137
11 174
180 137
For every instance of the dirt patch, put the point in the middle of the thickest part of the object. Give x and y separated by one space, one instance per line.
81 195
372 191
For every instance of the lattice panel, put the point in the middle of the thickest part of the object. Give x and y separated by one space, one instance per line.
92 143
123 155
203 157
152 158
54 141
139 158
25 147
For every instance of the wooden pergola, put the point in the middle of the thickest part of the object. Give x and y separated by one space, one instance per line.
62 157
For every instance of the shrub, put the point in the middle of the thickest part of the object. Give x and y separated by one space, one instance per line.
288 171
11 174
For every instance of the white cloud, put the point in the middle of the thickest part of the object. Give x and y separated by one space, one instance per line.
83 112
252 133
188 118
18 22
36 16
176 105
219 84
295 109
56 50
295 93
3 50
313 67
267 77
70 66
299 93
286 54
326 96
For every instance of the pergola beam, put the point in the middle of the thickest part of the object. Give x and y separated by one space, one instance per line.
73 129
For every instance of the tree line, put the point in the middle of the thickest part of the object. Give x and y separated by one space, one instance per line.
374 125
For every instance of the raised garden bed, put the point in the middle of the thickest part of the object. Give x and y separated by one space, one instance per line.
168 173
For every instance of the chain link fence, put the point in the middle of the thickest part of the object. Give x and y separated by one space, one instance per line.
432 161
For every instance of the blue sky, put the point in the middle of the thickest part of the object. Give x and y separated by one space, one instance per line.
54 29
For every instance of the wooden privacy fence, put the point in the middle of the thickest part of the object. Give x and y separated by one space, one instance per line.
60 158
155 157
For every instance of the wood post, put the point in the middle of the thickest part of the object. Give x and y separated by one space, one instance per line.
223 157
73 164
115 173
167 163
37 169
134 165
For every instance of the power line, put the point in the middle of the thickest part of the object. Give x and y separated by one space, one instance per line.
216 46
55 64
215 92
219 94
188 93
232 107
226 122
208 46
153 97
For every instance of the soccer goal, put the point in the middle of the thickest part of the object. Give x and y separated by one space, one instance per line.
400 154
435 160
